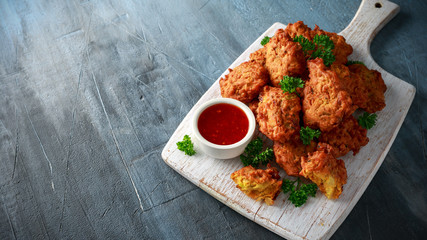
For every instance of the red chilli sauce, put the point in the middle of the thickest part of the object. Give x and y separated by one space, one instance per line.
223 124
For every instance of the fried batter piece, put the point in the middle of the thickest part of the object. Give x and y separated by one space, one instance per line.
258 184
353 84
374 86
327 172
278 114
283 57
341 50
288 154
244 82
348 136
254 106
298 29
325 102
258 56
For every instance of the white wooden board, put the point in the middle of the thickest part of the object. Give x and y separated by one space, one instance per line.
319 217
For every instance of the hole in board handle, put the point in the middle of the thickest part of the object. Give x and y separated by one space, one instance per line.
378 5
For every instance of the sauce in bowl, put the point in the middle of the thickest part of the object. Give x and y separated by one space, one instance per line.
223 127
223 124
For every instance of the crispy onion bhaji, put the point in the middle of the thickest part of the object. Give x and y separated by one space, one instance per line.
341 50
353 84
283 57
259 56
278 113
374 86
325 102
327 172
244 82
254 106
288 154
298 29
348 136
258 184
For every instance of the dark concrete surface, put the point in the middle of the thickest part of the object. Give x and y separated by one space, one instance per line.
90 92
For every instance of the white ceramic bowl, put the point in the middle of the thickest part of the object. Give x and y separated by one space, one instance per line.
223 151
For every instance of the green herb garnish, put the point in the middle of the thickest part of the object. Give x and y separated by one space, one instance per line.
322 46
300 192
186 146
305 44
290 84
263 157
307 134
253 154
367 121
324 49
265 40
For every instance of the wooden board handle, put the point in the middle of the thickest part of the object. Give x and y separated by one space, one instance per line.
370 18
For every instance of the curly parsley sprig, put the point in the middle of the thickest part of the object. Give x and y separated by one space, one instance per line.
306 45
324 49
290 84
300 192
253 154
320 47
307 134
323 42
367 121
186 146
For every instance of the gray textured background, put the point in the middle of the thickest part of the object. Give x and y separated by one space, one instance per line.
90 92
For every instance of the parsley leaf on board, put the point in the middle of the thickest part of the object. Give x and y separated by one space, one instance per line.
263 158
367 121
310 189
307 134
290 84
253 154
288 186
298 198
186 146
299 193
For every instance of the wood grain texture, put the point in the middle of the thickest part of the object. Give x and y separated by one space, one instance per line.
91 91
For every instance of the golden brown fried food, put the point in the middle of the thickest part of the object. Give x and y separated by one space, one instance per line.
374 86
348 136
254 106
298 29
283 57
278 114
341 50
353 84
327 172
259 56
244 82
258 184
288 154
325 102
